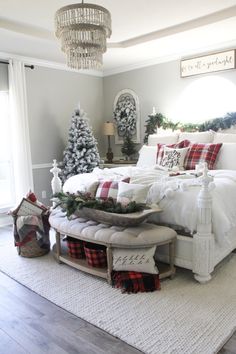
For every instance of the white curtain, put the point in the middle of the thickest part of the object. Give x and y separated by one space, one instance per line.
22 164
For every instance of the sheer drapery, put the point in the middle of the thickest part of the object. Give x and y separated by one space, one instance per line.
22 164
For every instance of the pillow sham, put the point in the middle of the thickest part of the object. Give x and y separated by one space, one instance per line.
174 158
224 138
154 139
132 192
108 189
160 149
197 137
199 153
147 156
136 260
226 157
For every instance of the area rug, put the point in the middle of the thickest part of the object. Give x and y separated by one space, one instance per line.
184 317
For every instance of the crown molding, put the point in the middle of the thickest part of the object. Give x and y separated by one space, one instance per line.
48 64
175 56
118 70
181 27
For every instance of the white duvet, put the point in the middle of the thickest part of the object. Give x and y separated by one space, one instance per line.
177 196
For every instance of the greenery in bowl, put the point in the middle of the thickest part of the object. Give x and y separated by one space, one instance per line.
72 203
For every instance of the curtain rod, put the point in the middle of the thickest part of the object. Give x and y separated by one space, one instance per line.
27 66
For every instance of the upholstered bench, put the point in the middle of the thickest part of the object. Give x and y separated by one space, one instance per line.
143 236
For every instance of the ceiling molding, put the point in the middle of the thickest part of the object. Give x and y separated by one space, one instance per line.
45 34
182 27
48 64
28 30
109 72
176 56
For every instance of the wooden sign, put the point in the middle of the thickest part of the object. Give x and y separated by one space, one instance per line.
27 207
208 63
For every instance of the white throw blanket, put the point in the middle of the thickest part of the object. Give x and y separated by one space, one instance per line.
177 196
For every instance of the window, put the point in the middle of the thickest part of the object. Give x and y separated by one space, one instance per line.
7 193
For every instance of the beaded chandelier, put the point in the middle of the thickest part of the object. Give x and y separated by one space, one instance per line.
83 30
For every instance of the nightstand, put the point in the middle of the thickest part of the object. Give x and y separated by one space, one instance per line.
118 163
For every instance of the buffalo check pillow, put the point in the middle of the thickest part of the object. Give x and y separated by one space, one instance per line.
199 153
109 189
160 149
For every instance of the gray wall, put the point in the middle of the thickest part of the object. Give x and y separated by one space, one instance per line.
52 97
160 86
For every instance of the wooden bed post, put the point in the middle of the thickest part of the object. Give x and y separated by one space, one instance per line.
203 240
56 181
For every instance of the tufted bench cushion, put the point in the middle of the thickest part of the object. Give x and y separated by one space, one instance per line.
143 235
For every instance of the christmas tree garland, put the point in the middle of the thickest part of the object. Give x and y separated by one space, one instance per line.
158 120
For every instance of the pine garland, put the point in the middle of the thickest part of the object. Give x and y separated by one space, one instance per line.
215 124
153 122
70 203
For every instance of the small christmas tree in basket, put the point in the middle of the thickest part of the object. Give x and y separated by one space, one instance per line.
81 154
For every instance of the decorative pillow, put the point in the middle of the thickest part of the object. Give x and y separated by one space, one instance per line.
174 158
160 149
137 260
132 192
197 137
109 189
147 156
154 139
199 153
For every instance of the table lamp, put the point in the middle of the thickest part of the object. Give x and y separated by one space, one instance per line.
109 130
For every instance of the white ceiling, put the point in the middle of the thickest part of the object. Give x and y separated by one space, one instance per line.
143 32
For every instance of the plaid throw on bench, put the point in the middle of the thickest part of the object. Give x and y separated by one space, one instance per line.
134 282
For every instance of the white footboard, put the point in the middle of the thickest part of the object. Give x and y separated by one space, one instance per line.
203 240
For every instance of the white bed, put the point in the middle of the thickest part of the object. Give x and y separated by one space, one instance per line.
203 207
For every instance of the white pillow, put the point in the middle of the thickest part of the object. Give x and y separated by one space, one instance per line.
197 137
224 138
136 260
155 139
147 156
174 158
226 157
128 192
81 183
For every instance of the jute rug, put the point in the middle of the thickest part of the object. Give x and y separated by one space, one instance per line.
184 317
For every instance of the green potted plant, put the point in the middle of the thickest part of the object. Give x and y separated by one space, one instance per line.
128 148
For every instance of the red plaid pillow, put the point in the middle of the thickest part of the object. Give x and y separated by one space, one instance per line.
160 149
199 153
109 189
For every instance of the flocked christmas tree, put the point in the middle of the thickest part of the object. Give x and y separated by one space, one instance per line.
81 154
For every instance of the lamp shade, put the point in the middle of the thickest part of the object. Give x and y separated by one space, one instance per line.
108 128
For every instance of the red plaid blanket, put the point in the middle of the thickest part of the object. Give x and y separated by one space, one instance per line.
134 282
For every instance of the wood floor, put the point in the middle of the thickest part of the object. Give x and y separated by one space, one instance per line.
34 325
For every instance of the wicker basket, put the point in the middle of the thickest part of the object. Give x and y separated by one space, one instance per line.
95 255
32 249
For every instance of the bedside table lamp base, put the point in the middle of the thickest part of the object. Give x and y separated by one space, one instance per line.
109 130
109 154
